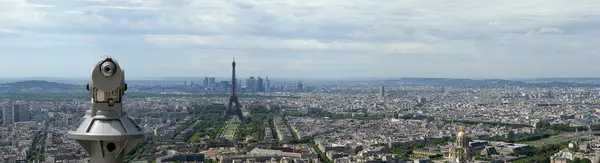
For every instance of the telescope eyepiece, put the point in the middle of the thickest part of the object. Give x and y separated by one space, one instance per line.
108 68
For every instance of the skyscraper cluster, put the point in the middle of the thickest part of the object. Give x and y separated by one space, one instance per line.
209 82
191 84
258 84
251 84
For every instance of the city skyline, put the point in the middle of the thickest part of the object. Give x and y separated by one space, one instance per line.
333 39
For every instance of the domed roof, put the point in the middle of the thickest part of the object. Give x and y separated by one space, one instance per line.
461 133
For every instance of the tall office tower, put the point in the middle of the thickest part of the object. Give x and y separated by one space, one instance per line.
268 84
300 85
15 113
260 85
205 82
253 81
20 113
212 82
382 91
24 116
251 84
7 115
248 82
225 85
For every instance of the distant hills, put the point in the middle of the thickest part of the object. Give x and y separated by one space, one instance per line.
53 86
568 80
39 86
490 83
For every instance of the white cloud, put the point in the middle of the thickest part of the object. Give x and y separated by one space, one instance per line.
258 43
546 31
494 33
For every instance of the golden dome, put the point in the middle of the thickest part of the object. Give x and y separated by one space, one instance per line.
461 132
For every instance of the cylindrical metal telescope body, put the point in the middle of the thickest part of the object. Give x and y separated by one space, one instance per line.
106 133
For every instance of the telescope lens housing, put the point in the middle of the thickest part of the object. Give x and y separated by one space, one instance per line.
108 68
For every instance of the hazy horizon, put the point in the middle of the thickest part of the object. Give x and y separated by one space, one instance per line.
286 78
315 39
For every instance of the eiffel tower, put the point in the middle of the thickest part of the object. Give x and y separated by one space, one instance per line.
233 99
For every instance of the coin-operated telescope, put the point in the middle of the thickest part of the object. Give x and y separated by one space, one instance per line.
107 133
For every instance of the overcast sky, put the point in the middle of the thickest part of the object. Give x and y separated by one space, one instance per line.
303 38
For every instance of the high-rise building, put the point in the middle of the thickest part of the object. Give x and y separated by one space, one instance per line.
260 85
267 84
300 85
205 84
251 84
248 87
20 113
7 115
17 113
25 113
212 82
225 85
382 91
